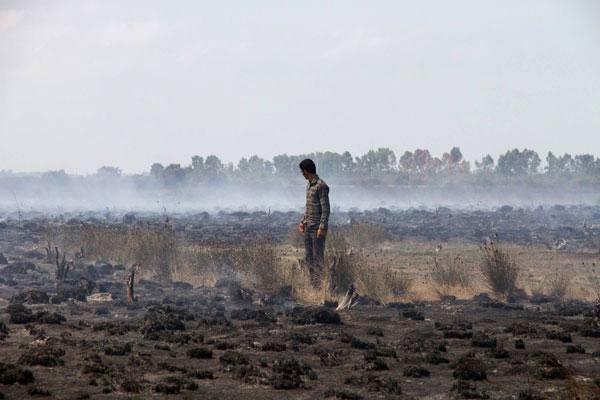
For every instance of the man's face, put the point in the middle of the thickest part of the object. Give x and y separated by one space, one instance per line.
305 174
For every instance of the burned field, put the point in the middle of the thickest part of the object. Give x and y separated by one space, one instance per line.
197 307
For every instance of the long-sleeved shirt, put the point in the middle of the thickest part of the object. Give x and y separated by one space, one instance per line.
316 215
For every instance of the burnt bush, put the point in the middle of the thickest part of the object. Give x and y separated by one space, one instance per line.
159 319
32 296
232 357
200 352
469 368
314 315
548 366
11 374
413 371
44 355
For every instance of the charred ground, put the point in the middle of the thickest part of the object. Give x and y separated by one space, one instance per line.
82 338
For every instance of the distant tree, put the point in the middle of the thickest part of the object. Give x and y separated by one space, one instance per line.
518 163
197 164
156 170
420 164
563 165
173 175
213 168
585 164
347 163
486 165
56 177
552 167
455 155
453 163
108 172
382 160
254 168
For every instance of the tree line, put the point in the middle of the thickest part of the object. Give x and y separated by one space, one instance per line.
380 166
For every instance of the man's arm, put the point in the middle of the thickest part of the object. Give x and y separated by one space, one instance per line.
324 200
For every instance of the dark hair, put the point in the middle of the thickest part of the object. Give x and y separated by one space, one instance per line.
308 165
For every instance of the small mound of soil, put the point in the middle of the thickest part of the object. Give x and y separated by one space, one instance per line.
413 371
548 366
481 339
577 348
32 296
375 383
562 336
246 314
274 346
458 334
469 368
202 374
130 386
413 314
200 352
288 372
11 374
38 392
159 319
167 389
342 394
436 358
18 268
3 330
466 390
118 349
52 318
232 357
44 355
19 314
315 315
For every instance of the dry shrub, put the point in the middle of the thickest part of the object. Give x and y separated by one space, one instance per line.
295 238
154 249
449 273
259 263
499 270
342 263
62 236
559 285
345 266
202 265
382 283
364 234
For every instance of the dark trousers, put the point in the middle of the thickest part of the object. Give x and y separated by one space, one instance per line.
315 255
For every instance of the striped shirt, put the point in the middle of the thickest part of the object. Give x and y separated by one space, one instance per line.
317 205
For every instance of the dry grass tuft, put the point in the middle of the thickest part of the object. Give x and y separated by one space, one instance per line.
499 270
345 266
364 234
448 274
559 285
154 249
259 264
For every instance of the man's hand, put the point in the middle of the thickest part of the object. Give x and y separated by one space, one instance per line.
321 233
301 227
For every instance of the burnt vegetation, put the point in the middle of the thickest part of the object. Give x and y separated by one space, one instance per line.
145 305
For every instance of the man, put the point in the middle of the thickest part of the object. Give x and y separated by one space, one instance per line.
315 220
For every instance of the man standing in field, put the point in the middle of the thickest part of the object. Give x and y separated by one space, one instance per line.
315 220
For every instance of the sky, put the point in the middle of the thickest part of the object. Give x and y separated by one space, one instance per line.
89 83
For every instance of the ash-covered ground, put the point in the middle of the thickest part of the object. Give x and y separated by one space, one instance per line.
81 338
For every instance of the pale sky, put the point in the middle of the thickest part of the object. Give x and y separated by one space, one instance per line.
88 83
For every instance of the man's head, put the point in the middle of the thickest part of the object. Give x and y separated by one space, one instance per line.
308 168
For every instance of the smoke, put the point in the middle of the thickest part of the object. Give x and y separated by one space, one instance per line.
62 194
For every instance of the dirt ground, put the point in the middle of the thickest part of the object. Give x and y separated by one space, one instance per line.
226 340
